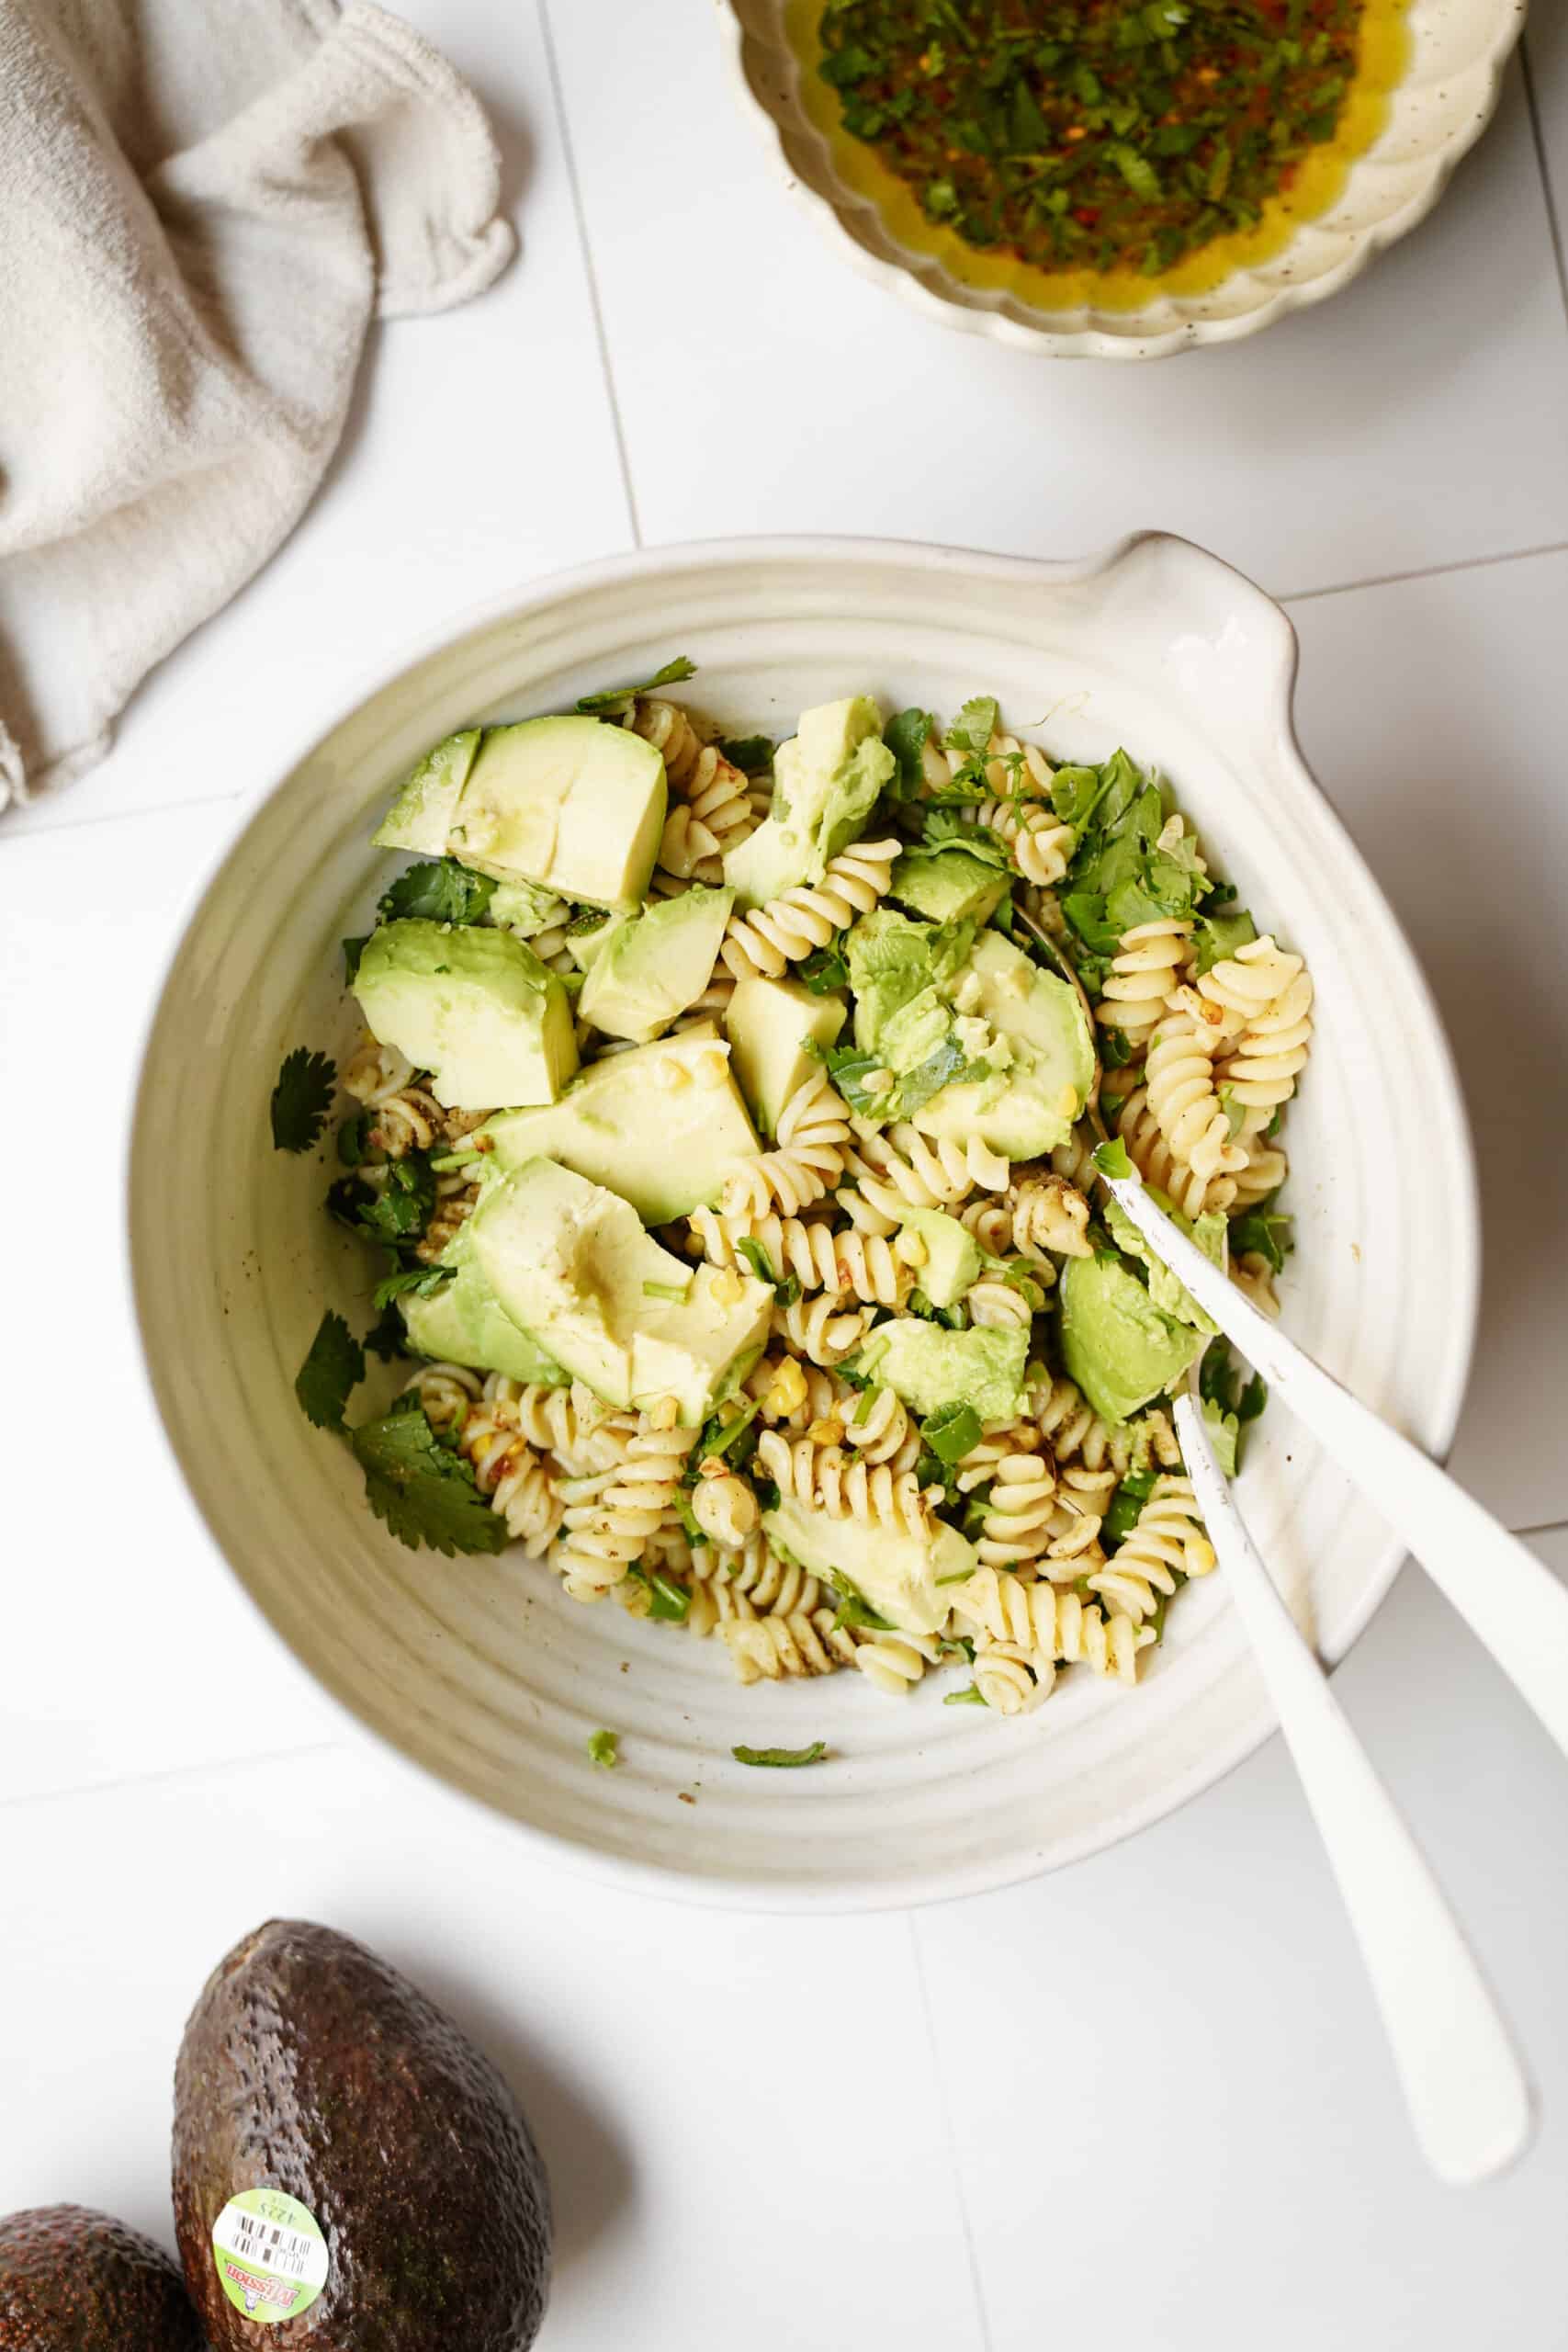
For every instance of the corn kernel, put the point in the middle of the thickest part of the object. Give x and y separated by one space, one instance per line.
728 1288
910 1248
670 1075
786 1392
711 1069
968 994
827 1432
664 1414
1067 1101
876 1081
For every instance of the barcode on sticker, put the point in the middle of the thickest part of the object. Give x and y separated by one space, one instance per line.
270 2244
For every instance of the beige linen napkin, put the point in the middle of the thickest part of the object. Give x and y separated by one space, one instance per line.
204 202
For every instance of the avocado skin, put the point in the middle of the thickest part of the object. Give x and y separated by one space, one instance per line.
73 2280
310 2065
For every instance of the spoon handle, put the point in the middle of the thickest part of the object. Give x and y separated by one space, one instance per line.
1512 1603
1469 2099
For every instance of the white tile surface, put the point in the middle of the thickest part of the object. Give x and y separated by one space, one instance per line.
1546 48
1435 713
740 2116
1176 2120
1419 418
479 452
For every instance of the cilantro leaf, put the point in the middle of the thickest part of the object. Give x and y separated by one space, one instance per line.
1111 1160
1225 1437
753 754
944 829
906 736
399 1212
975 725
422 1491
353 949
757 1258
616 698
421 1280
387 1335
950 1432
968 1697
354 1139
825 967
815 1754
668 1603
302 1099
603 1748
848 1069
1218 936
1115 1048
437 890
335 1365
1261 1231
724 1434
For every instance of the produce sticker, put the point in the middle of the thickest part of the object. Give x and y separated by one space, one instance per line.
271 2255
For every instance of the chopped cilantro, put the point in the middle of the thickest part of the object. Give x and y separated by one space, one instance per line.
604 1748
1217 936
422 1281
354 1139
815 1754
668 1602
618 699
825 967
723 1436
753 754
424 1493
944 829
302 1099
1262 1232
975 725
335 1365
353 949
1111 1160
968 1697
387 1335
1115 1048
906 736
757 1258
397 1212
437 890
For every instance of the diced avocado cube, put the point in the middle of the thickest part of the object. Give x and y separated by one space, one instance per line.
420 815
952 1258
575 803
662 1125
908 1580
569 1262
892 959
525 908
947 885
772 1025
656 965
1116 1343
930 1366
475 1007
585 947
464 1322
826 780
1041 1082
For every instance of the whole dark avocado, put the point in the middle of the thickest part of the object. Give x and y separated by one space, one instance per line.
75 2282
310 2065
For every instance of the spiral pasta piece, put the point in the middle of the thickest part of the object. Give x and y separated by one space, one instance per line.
1048 1214
1147 964
813 1130
1266 994
822 1328
842 1262
1043 1625
878 1424
776 1648
583 1434
1178 1081
894 1663
1012 1679
761 946
673 736
822 1477
749 1579
1167 1542
519 1484
446 1392
1020 1510
1151 1155
998 1306
609 1516
1266 1169
723 1506
903 1169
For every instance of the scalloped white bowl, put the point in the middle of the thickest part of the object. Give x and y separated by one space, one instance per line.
1444 101
483 1672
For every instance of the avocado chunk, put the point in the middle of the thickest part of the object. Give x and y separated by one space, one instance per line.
908 1580
475 1007
656 965
1116 1343
464 1322
571 1263
1172 1298
947 885
930 1366
826 780
310 2065
575 803
893 959
527 908
585 947
420 817
73 2280
1035 1039
952 1258
771 1026
662 1125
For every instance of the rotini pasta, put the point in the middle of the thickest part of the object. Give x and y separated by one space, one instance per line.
1053 1535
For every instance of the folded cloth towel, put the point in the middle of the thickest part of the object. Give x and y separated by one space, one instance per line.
203 208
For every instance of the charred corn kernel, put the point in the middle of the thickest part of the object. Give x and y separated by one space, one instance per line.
713 1466
786 1391
726 1288
670 1075
666 1413
826 1432
910 1248
1067 1101
968 994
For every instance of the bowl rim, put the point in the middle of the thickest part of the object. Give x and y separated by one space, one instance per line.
919 281
846 1893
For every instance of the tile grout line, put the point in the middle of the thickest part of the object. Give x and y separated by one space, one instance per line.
1555 225
971 2251
1422 571
166 1773
558 93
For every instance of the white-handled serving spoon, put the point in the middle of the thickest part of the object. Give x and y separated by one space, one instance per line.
1468 2096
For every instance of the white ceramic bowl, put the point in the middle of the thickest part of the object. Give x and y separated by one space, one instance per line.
485 1673
1444 101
